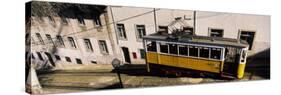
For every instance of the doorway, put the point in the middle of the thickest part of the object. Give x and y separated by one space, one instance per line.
126 54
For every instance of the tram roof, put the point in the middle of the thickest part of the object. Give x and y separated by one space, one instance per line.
195 39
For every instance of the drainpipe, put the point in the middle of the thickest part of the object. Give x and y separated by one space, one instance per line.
154 12
194 22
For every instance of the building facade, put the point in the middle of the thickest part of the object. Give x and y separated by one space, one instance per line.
103 33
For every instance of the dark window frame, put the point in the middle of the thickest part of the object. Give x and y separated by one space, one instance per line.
173 49
216 32
164 47
183 50
142 53
39 37
60 40
88 45
57 57
121 31
68 59
189 30
165 28
216 53
78 61
251 41
152 46
193 53
49 37
72 42
140 31
103 47
204 52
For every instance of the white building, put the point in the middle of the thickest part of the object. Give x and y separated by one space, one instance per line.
116 32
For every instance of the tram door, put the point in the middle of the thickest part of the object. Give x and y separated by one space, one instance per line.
231 62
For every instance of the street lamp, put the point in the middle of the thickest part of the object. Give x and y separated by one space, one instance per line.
116 64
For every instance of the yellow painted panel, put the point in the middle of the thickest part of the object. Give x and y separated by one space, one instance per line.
168 60
241 70
151 57
193 64
183 62
164 59
174 61
204 65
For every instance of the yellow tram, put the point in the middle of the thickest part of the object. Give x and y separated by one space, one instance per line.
223 56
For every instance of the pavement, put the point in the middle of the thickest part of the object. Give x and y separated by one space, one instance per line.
75 78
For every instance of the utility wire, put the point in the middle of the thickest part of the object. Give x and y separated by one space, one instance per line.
109 23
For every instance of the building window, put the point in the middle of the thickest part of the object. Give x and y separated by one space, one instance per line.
140 31
60 40
121 31
80 19
78 61
163 48
163 29
57 57
72 42
188 30
97 21
216 32
40 38
103 46
204 52
88 45
151 46
67 59
173 49
215 53
249 37
94 62
142 53
49 38
193 51
183 50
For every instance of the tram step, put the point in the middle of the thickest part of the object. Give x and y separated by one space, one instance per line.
227 75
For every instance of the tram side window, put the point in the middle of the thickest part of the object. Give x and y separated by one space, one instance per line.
173 48
163 48
204 52
183 50
193 51
215 53
151 46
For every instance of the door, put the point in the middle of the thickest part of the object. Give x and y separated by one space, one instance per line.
50 58
231 62
126 54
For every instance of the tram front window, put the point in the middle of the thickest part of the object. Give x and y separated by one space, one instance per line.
173 48
151 46
215 53
204 52
163 48
193 51
243 56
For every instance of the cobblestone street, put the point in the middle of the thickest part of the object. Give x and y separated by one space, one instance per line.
96 77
